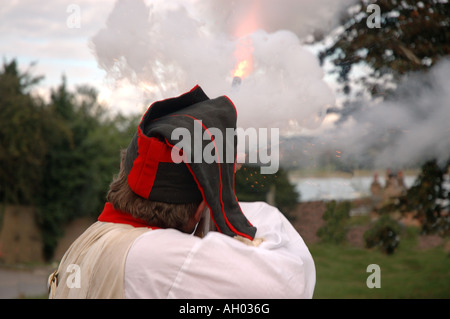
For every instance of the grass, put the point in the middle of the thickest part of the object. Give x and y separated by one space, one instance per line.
408 273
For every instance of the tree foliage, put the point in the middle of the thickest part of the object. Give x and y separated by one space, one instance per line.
59 156
22 136
413 35
384 234
335 216
429 197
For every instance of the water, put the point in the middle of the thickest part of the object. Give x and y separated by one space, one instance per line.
338 188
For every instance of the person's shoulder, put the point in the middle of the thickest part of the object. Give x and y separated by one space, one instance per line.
257 207
167 236
161 242
257 210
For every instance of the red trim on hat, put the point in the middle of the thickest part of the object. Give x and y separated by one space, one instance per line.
193 89
221 187
111 215
151 152
235 158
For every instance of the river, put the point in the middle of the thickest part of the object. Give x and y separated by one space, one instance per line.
338 188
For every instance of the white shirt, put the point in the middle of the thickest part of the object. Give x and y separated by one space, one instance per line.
166 263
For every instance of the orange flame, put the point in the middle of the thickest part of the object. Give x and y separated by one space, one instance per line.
244 48
244 58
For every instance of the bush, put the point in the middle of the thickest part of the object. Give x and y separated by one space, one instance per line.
383 234
335 216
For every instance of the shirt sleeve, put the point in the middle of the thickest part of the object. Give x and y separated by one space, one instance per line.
219 266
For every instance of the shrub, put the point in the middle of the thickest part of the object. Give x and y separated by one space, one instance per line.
335 216
384 234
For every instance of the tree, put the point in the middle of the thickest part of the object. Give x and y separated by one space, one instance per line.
22 142
335 216
384 234
413 35
80 163
430 198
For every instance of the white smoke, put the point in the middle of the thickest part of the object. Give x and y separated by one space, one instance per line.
302 17
408 129
286 89
168 47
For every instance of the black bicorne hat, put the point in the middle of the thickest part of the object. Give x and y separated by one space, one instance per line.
156 174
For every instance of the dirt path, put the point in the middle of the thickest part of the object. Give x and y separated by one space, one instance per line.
23 283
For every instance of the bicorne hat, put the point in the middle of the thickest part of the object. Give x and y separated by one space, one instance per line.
159 170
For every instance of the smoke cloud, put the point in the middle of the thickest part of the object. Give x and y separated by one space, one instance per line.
407 129
302 17
166 48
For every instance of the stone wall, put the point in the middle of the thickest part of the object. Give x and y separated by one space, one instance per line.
21 240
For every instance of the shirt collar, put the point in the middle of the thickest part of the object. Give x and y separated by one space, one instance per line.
111 215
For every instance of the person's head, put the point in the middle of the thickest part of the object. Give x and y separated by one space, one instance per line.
183 216
165 179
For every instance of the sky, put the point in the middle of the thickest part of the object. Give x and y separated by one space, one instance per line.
46 40
35 33
32 31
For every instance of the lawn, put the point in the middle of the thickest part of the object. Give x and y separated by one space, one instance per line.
408 273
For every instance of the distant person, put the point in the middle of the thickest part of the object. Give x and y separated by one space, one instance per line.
392 189
389 178
376 192
153 239
401 183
